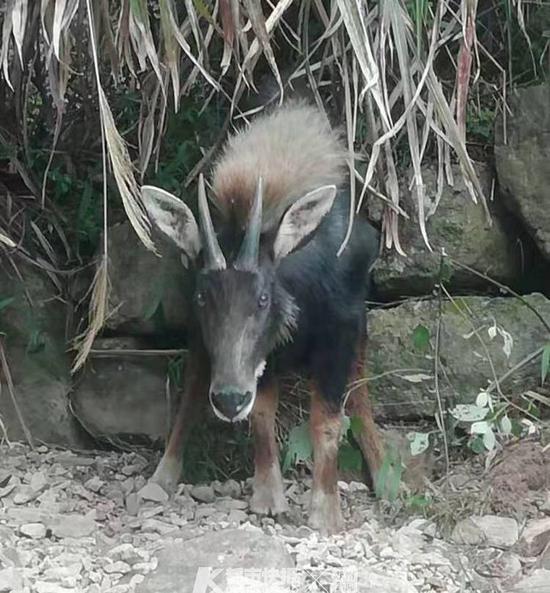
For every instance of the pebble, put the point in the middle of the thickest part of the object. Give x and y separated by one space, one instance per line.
153 492
203 493
33 530
102 546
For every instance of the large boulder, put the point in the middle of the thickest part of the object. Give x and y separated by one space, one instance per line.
479 338
147 293
522 154
33 320
458 226
123 396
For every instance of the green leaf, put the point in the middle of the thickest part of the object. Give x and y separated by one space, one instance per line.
469 413
420 441
299 446
421 337
489 439
476 444
505 425
545 363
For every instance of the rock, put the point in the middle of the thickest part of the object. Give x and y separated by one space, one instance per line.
498 565
499 532
522 161
535 537
154 492
33 530
460 227
132 504
147 292
117 567
403 337
94 484
36 352
123 396
203 494
490 530
538 582
467 532
181 565
38 482
230 488
72 526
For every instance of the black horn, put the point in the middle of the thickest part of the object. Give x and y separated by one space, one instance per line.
250 248
214 258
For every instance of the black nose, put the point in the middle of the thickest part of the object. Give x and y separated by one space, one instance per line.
231 402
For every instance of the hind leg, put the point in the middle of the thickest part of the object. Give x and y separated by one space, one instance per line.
358 405
267 491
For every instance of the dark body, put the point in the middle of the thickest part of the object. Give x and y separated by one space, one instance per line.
330 292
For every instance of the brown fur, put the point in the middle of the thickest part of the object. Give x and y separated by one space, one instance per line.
295 151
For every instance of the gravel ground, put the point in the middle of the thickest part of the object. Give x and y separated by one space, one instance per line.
89 522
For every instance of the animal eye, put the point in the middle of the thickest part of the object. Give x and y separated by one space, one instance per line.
201 301
263 300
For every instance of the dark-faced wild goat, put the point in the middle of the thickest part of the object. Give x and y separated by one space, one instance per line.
271 295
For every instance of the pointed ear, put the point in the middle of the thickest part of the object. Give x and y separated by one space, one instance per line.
302 219
173 218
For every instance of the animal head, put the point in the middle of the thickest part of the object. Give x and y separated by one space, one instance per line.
243 311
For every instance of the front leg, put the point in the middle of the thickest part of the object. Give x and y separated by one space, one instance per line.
326 428
193 399
267 491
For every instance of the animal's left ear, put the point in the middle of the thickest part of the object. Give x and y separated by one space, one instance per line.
302 219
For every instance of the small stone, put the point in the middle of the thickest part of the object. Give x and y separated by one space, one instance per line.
7 490
94 484
24 496
499 565
237 516
132 504
231 488
203 493
38 482
500 532
119 567
545 507
467 532
535 537
33 530
154 492
156 526
358 487
229 504
73 526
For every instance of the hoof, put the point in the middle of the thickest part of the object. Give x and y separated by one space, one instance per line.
167 474
325 514
266 501
268 497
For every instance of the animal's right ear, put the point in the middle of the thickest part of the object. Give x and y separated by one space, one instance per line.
173 219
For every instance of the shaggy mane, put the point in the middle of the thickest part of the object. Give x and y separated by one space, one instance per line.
293 148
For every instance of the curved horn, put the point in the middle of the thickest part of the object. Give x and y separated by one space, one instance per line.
213 253
250 248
